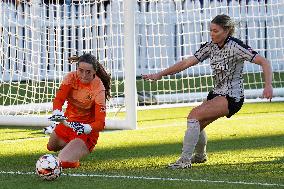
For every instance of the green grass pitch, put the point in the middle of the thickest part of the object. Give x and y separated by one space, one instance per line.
246 151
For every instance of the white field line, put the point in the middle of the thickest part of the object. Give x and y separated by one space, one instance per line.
153 178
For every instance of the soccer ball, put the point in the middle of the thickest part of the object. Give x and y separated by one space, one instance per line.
48 167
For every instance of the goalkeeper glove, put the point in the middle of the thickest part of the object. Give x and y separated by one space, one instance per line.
57 116
80 128
49 129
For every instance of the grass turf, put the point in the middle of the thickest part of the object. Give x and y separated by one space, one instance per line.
245 151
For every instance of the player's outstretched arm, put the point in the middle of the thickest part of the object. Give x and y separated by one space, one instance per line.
178 67
267 72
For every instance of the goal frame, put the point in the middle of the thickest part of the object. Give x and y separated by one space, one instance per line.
130 120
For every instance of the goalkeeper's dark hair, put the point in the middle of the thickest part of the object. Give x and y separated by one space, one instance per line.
99 69
225 22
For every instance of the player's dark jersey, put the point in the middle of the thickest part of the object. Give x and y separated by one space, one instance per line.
227 64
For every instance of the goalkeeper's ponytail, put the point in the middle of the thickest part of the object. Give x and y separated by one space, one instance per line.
99 69
105 77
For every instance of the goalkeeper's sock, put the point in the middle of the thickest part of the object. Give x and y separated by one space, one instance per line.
190 138
66 164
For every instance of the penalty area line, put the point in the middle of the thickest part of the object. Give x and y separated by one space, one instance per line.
152 178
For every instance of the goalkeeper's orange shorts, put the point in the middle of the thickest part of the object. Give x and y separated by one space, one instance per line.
67 134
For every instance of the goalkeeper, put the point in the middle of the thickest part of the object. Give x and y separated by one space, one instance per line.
227 55
86 91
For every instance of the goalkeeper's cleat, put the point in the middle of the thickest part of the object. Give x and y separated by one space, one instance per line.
196 158
49 129
181 163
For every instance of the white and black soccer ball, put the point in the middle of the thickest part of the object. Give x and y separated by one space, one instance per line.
48 167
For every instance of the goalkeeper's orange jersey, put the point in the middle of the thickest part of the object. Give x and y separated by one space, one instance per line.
85 102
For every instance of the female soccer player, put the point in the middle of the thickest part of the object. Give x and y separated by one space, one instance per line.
86 91
227 55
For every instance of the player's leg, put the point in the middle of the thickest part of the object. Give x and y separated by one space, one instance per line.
199 118
55 143
207 111
58 138
200 149
78 147
72 153
200 155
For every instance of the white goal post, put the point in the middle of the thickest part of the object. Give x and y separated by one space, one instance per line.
129 38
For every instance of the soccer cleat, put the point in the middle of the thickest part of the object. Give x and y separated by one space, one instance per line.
196 158
181 163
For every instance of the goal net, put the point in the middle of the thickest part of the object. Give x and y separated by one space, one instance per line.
129 38
169 31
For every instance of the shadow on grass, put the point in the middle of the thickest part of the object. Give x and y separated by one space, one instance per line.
103 158
168 149
175 148
165 149
127 161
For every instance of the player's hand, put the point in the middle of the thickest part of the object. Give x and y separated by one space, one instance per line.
80 128
153 77
268 92
57 116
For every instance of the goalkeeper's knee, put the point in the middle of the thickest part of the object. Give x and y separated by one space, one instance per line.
51 148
